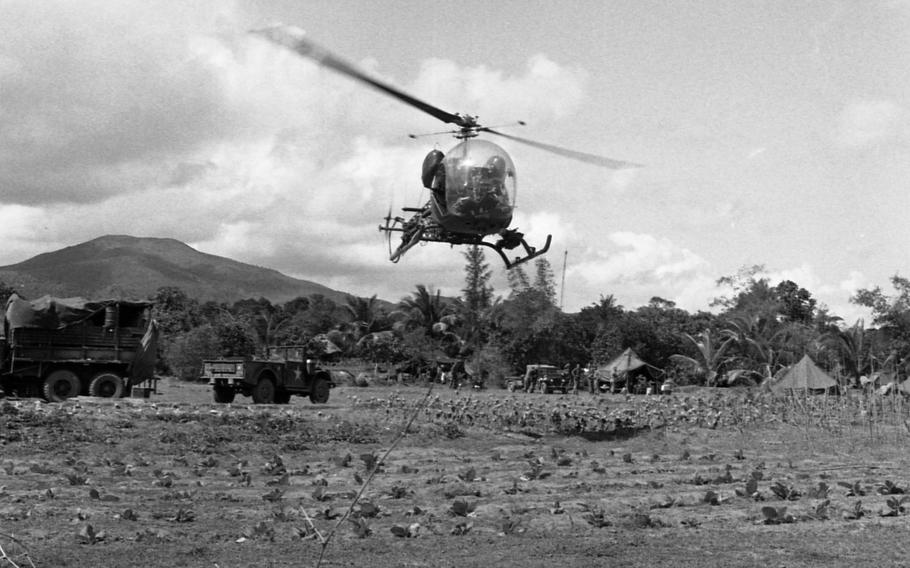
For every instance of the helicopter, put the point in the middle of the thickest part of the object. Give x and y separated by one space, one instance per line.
472 186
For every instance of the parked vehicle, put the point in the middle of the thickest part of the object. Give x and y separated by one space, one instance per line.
64 347
541 378
284 371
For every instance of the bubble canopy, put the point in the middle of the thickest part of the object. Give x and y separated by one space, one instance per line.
480 180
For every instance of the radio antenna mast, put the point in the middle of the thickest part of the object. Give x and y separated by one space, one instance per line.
562 287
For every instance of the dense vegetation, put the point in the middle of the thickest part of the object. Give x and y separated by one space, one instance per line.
757 329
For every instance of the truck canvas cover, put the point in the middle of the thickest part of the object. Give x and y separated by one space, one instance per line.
48 312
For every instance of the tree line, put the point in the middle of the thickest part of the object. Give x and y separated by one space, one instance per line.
755 331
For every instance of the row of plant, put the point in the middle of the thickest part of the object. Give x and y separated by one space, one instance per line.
868 412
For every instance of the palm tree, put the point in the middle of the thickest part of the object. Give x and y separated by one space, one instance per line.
437 319
761 341
424 309
364 312
851 347
711 355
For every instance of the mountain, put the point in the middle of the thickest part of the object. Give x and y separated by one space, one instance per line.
119 266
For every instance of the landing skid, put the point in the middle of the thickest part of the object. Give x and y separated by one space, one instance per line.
421 229
530 252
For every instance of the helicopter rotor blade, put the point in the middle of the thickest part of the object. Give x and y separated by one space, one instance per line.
566 153
293 38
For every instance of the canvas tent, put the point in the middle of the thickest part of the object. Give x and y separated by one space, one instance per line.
627 361
624 366
805 375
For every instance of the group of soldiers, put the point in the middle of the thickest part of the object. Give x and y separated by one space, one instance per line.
577 377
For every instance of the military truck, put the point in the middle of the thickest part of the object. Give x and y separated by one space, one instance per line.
64 347
283 372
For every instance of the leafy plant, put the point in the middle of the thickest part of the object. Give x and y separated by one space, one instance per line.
853 489
398 492
895 507
370 461
821 510
320 494
595 516
183 516
711 498
785 492
750 490
76 479
274 495
776 515
642 520
410 531
88 535
536 471
820 491
461 508
360 526
462 528
261 530
889 488
855 512
366 509
510 525
726 476
469 474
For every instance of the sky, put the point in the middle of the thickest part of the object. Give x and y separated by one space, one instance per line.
772 133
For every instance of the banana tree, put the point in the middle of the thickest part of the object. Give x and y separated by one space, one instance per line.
711 355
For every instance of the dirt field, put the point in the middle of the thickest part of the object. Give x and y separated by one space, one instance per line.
482 479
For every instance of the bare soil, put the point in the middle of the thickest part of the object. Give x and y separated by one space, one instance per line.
177 480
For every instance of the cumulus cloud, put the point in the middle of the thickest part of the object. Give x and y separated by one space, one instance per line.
164 120
642 266
864 123
546 90
97 95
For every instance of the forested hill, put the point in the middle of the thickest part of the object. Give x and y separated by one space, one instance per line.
118 266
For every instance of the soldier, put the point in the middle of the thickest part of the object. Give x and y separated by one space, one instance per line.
530 380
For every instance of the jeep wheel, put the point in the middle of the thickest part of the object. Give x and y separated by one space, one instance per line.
61 385
264 392
224 395
320 392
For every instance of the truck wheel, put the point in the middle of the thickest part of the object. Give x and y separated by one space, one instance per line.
106 385
282 397
264 392
320 392
224 395
61 385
